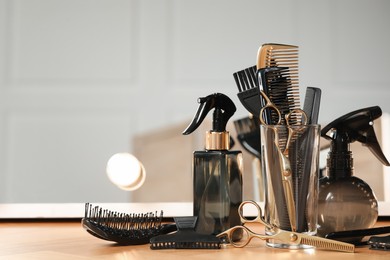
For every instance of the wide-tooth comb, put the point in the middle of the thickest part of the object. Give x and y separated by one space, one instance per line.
283 90
248 90
186 237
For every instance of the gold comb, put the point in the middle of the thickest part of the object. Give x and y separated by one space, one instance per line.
282 87
277 55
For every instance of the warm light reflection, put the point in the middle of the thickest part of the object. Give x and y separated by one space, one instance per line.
125 171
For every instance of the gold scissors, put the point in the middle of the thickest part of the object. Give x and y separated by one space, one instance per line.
284 162
285 237
270 105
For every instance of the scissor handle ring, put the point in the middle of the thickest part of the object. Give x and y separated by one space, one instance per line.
244 240
269 107
241 211
296 111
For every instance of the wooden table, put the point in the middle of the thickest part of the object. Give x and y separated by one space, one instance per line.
68 240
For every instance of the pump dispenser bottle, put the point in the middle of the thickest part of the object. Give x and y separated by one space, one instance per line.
345 201
217 171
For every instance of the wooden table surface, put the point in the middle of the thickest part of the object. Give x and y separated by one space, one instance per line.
68 240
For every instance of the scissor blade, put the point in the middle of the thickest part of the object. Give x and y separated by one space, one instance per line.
289 195
324 243
286 176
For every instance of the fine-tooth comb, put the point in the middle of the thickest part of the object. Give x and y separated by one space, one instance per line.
124 229
186 237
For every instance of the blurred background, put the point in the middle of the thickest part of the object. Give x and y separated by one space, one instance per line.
83 80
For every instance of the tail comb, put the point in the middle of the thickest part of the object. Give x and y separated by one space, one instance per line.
185 237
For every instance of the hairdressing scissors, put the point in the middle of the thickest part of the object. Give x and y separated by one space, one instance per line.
286 237
285 165
269 105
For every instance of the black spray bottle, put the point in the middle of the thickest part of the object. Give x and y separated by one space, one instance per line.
345 201
217 171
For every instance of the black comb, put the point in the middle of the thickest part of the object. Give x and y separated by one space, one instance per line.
311 107
186 237
379 243
312 104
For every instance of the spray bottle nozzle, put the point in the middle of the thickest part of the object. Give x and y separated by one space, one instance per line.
224 110
218 138
356 126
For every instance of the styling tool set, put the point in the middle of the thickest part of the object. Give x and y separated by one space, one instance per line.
284 139
270 92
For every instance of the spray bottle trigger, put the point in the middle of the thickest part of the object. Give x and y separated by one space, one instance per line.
373 144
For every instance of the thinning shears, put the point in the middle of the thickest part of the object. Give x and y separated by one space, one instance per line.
286 237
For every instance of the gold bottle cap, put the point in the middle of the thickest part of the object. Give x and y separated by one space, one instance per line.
217 140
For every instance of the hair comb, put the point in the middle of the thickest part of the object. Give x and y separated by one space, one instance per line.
186 237
282 86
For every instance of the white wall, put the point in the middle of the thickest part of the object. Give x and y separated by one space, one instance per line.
79 78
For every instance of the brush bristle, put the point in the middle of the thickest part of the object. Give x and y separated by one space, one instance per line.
245 79
122 221
122 228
